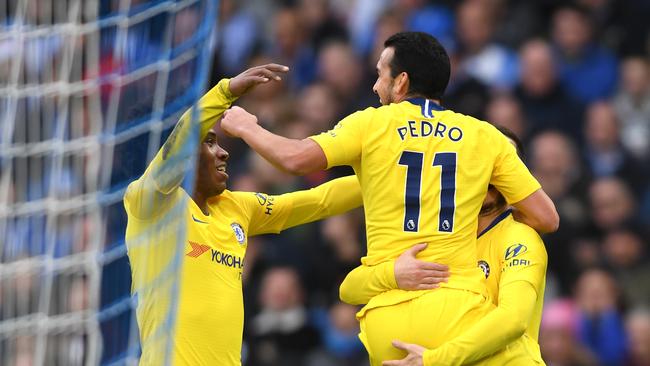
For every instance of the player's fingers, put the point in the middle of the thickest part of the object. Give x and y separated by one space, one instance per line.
432 273
433 266
275 67
392 363
251 80
426 286
417 248
433 280
422 273
264 72
399 344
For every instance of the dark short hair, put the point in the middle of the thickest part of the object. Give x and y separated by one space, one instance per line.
423 58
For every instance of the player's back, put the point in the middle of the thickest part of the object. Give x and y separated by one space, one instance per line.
424 172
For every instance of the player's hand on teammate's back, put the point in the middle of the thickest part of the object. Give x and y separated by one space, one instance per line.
414 274
235 120
262 74
414 357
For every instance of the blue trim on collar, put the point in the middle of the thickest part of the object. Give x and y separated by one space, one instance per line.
497 220
197 220
427 106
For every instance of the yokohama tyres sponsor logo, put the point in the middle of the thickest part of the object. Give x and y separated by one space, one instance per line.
197 249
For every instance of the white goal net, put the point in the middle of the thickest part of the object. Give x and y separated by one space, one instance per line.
88 91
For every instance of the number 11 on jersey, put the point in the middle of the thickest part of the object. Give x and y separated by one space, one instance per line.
413 161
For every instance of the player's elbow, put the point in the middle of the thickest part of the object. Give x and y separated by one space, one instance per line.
553 223
549 221
297 165
303 157
519 326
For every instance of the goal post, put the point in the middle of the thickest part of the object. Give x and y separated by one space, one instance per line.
89 89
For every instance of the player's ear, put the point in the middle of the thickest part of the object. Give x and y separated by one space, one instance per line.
401 84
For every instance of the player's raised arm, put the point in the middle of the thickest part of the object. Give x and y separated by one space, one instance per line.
339 146
294 156
146 196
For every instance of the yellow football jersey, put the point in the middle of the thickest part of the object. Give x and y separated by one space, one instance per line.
510 251
207 328
186 266
424 173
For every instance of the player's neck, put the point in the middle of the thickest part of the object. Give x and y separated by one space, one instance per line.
201 200
484 220
411 96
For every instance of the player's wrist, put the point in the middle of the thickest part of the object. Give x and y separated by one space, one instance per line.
223 86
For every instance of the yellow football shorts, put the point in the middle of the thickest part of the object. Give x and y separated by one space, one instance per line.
429 320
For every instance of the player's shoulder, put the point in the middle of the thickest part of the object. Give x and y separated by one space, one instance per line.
228 196
465 118
515 234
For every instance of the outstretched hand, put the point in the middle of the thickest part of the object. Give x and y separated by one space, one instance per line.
414 357
414 274
262 74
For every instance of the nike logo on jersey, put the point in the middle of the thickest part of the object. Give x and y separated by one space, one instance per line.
197 220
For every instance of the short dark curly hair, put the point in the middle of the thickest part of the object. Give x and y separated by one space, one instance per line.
425 61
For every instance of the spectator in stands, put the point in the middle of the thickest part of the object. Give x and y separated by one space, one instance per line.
544 100
319 24
341 70
553 160
339 330
587 70
600 322
632 104
603 152
624 251
490 63
318 107
638 330
435 19
290 47
558 337
465 93
505 111
236 39
281 331
612 203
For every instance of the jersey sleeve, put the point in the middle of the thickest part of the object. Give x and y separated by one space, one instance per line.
510 176
342 144
504 324
523 258
147 197
272 214
365 282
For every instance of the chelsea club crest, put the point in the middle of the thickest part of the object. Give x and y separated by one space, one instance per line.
239 233
485 267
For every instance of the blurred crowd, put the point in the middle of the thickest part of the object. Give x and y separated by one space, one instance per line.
572 79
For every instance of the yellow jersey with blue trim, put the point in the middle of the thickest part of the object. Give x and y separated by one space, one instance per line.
200 274
424 173
186 265
510 251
